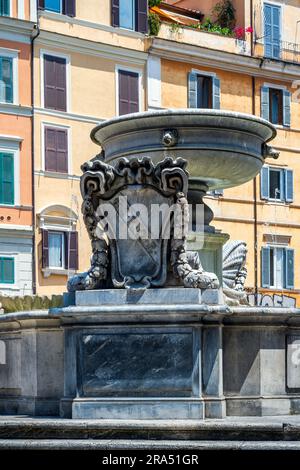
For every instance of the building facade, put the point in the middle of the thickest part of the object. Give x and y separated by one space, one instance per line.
16 210
94 60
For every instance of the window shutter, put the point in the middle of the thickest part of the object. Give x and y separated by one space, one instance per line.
141 16
289 185
276 11
264 183
128 92
286 108
192 90
268 30
41 4
6 79
45 249
265 103
216 93
7 178
5 7
115 13
289 268
56 150
265 267
69 7
55 82
71 250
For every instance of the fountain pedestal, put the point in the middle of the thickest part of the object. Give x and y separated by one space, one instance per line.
163 363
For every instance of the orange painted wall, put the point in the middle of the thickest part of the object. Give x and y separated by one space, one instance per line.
20 126
24 69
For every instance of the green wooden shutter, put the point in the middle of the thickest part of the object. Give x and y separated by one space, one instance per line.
192 90
286 108
289 185
264 183
6 79
7 270
265 103
7 178
289 268
265 267
216 93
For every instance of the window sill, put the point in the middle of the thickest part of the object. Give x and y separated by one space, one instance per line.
58 271
9 287
53 174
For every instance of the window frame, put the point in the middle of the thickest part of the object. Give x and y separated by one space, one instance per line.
275 249
59 55
14 285
285 248
62 235
14 55
44 125
8 145
283 190
280 105
133 17
139 72
282 184
214 76
60 12
10 10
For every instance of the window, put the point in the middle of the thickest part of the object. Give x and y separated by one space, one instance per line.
59 250
128 92
130 14
276 105
4 7
7 178
277 184
127 14
216 192
55 83
277 267
203 91
6 79
7 270
56 149
272 30
66 7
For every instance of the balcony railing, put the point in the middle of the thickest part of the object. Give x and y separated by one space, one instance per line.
283 50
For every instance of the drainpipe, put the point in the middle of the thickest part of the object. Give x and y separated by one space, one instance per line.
255 211
35 34
252 26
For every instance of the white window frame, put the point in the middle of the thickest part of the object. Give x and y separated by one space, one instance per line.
282 184
206 73
12 145
60 55
45 124
56 12
15 256
62 234
133 15
138 71
14 55
276 247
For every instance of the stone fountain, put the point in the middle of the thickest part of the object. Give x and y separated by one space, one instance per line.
146 332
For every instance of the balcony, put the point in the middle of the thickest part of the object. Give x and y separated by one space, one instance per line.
194 37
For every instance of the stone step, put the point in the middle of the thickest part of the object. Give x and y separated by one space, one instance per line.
238 430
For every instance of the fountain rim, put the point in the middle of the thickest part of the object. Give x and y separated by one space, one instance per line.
197 112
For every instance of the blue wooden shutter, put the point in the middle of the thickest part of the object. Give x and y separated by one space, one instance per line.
192 90
264 183
289 268
268 30
141 16
4 10
276 12
289 185
7 178
115 13
286 108
69 7
216 93
265 102
265 267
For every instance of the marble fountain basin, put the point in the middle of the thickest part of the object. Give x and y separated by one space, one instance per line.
223 149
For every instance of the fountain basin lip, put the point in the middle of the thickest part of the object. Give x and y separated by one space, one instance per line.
125 123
